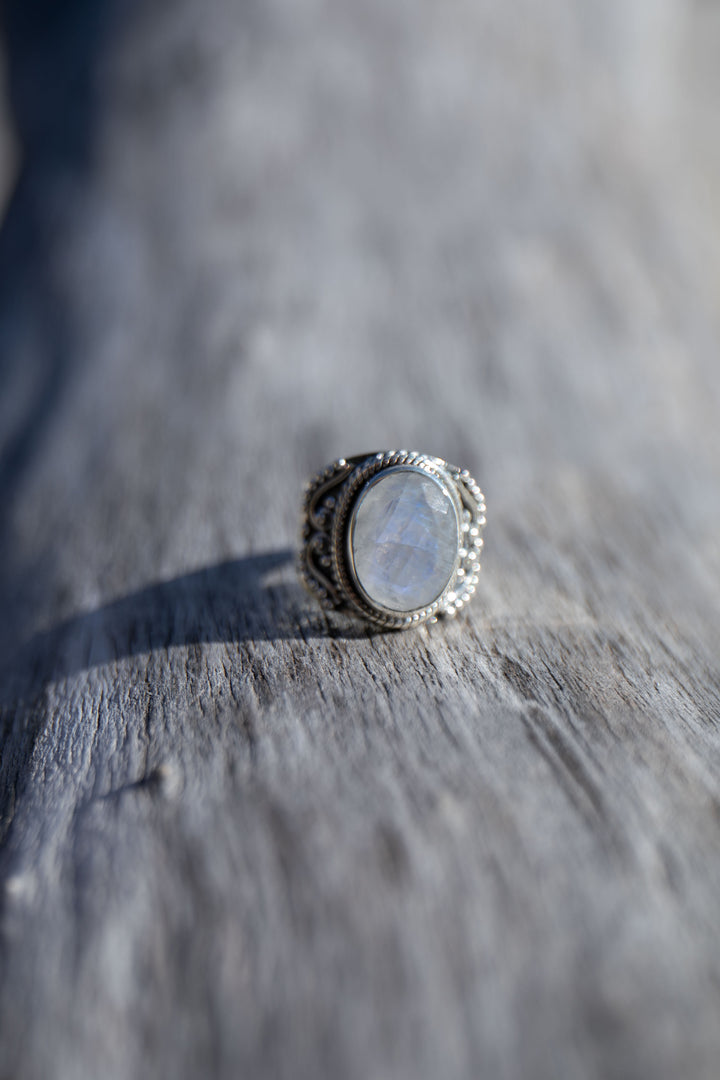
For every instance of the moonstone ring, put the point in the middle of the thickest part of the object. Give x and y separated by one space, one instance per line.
393 537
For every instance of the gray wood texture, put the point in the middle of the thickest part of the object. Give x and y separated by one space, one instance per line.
241 838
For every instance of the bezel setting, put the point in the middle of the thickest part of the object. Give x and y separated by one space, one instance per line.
326 559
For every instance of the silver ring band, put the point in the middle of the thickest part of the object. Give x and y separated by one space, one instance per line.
394 537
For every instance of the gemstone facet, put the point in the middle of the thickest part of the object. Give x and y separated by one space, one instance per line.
404 539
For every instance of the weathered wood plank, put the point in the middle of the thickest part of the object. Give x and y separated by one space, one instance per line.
241 837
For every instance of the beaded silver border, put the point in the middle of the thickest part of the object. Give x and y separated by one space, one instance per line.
324 563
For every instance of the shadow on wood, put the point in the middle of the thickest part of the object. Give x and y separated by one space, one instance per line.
231 602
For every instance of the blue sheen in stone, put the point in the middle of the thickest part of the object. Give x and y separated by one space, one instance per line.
404 539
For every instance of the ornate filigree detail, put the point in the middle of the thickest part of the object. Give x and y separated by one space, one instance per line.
466 576
316 564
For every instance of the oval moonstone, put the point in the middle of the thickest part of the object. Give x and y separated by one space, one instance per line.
404 539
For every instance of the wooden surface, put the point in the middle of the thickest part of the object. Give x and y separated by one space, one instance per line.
241 839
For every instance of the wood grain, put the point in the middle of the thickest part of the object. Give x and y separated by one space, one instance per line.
240 837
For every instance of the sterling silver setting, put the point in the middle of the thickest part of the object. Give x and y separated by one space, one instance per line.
326 564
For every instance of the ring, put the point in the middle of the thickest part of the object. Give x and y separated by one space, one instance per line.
393 537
